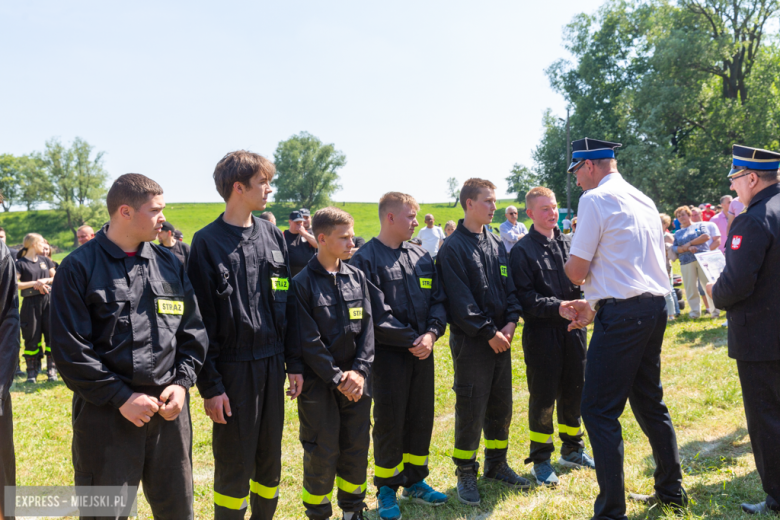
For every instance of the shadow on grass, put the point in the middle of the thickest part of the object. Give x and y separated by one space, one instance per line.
716 336
20 385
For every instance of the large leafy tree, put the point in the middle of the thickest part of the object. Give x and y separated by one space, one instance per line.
677 84
521 179
22 181
77 182
307 171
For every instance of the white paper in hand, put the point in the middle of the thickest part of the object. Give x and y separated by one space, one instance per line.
712 263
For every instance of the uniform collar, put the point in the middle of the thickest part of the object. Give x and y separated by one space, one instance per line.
233 229
405 246
463 229
115 251
609 177
316 266
543 239
767 192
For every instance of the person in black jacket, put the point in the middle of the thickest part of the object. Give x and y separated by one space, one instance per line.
331 337
402 277
9 356
179 249
482 310
747 288
554 356
240 271
129 341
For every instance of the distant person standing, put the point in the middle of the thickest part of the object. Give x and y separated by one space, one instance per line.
84 234
735 208
707 213
721 220
9 358
747 288
617 257
301 244
511 229
432 236
179 249
449 227
306 214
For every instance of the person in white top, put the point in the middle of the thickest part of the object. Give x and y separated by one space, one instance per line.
617 256
432 237
511 230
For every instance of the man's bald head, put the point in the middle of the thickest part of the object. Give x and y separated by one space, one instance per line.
429 220
84 234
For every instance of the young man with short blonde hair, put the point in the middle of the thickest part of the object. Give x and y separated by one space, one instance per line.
403 374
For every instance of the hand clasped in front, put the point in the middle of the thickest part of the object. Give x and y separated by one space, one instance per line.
578 312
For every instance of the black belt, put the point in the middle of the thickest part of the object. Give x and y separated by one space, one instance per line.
608 301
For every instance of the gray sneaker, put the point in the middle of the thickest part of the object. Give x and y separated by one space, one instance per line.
502 473
545 474
467 486
577 459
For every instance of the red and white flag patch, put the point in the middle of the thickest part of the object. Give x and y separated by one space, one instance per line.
736 241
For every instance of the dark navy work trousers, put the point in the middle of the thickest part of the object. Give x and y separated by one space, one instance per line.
624 363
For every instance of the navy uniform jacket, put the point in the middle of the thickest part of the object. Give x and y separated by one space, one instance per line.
124 324
404 280
749 286
537 269
242 286
329 329
474 271
9 322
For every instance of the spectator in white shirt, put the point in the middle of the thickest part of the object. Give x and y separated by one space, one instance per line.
432 237
511 230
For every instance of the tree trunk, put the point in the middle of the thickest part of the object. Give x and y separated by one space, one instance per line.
72 228
455 204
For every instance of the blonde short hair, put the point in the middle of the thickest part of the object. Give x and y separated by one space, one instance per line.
666 220
535 193
682 209
393 200
450 223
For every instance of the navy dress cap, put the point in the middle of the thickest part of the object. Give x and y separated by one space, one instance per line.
747 158
587 148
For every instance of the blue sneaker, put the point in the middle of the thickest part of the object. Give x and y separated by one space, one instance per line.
545 474
422 493
387 503
577 459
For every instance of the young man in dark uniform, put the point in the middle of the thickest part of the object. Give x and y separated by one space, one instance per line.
554 357
239 267
331 334
402 277
179 249
482 310
9 357
129 341
747 289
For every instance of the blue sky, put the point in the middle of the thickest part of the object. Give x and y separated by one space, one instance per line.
411 92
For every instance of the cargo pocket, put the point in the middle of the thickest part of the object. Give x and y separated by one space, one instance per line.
463 399
353 297
280 288
168 303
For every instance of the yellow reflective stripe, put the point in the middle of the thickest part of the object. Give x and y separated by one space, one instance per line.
316 499
544 438
388 472
349 487
570 430
230 502
263 491
31 352
496 444
417 460
464 454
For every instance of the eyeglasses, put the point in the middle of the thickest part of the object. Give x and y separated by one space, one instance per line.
741 175
511 213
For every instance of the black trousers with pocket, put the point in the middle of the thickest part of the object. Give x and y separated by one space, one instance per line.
34 321
403 392
624 364
248 449
335 438
761 397
7 457
555 370
483 400
109 450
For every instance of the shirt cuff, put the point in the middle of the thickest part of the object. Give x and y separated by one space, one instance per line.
121 397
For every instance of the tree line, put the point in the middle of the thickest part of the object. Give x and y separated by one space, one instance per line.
677 83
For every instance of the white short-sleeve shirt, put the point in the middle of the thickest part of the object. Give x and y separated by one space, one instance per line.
619 232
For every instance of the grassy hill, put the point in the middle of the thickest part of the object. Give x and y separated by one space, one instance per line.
190 217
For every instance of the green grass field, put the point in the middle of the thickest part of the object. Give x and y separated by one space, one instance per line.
190 217
701 388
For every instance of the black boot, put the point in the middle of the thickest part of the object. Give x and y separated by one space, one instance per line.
32 373
51 369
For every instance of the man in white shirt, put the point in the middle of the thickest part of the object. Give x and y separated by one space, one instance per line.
617 257
511 230
432 237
